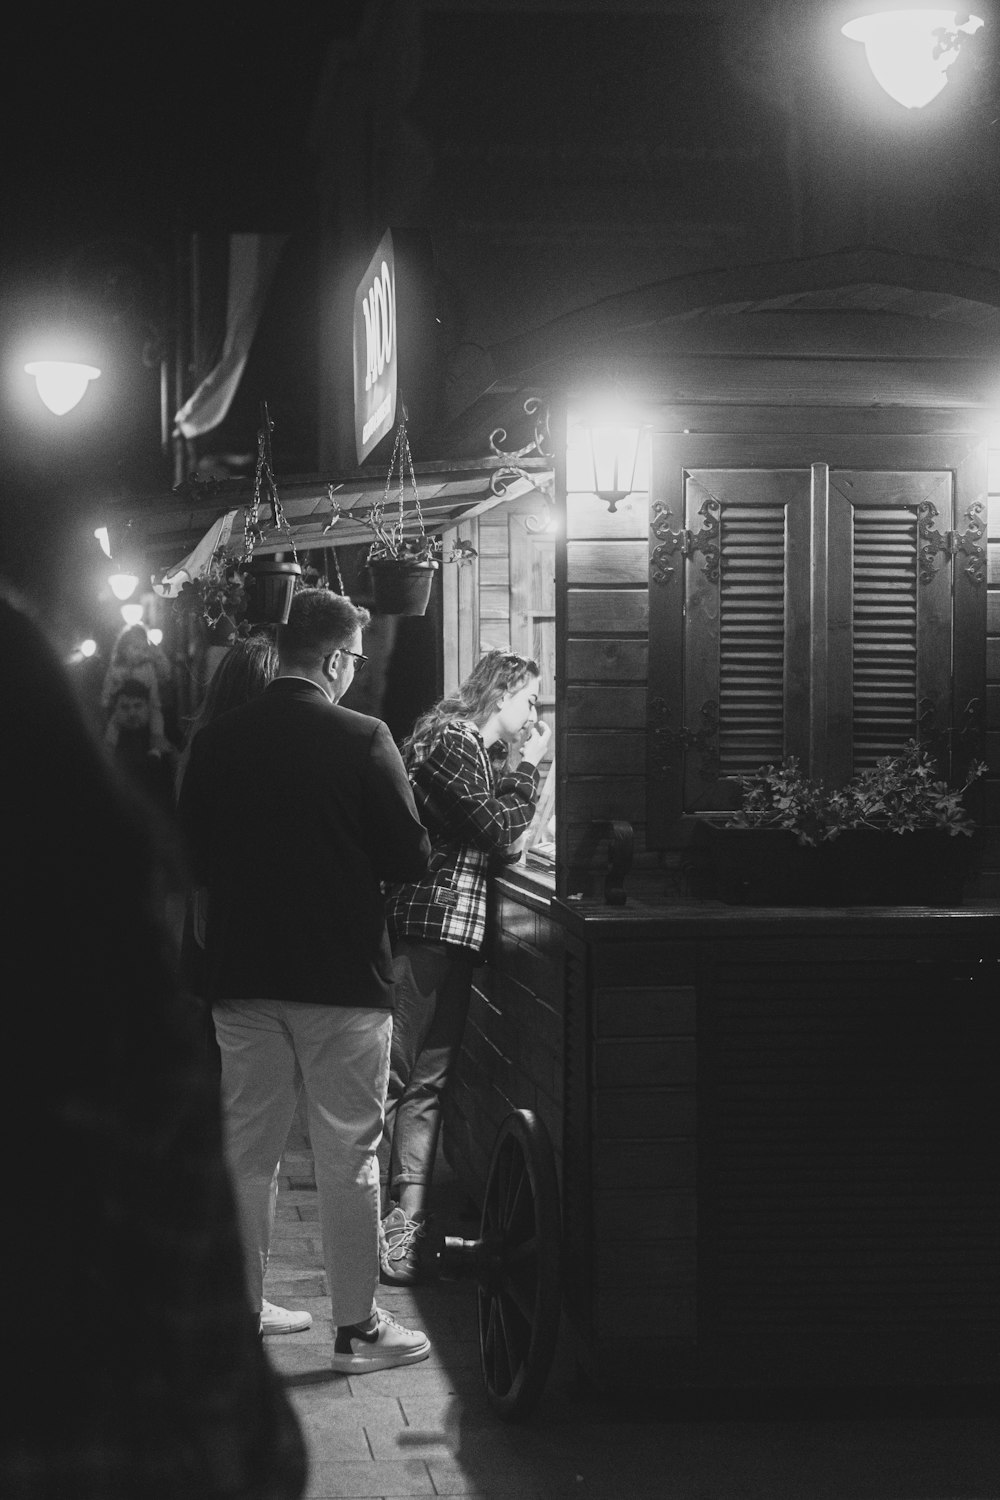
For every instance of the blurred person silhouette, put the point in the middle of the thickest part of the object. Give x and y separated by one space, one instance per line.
302 986
137 1368
134 657
476 807
135 750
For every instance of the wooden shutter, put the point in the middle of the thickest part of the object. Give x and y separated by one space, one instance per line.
830 611
892 678
745 646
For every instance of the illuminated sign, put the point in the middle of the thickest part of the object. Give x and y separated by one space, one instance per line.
375 350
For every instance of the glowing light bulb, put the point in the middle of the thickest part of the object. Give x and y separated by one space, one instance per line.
155 636
60 383
87 647
123 585
132 614
101 533
904 50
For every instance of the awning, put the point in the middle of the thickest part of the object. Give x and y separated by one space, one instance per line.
165 529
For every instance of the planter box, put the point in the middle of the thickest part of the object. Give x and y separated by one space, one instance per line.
861 867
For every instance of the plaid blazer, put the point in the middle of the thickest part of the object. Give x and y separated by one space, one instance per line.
474 813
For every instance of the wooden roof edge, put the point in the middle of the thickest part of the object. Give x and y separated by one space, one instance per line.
703 291
220 495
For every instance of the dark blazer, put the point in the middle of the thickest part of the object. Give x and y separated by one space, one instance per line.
295 810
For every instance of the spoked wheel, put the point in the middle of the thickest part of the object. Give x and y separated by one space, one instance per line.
518 1266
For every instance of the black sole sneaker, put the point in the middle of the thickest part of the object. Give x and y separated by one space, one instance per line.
388 1344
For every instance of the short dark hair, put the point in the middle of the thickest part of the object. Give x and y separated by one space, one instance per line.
130 688
319 621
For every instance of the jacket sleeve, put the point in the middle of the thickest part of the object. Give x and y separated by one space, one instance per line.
462 806
401 847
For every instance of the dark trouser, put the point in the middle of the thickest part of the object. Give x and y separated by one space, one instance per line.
433 982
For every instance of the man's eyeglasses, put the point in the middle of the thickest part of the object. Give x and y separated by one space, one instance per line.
360 662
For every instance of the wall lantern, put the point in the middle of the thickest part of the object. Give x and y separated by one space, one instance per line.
123 585
614 448
61 384
910 51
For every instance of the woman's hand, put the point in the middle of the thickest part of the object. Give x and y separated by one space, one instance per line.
536 743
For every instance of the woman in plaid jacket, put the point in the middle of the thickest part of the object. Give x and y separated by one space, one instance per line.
475 811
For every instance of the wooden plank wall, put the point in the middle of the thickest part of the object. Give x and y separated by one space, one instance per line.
512 1049
643 1157
989 882
602 735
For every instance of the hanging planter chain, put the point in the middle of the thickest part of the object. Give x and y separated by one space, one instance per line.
388 539
264 479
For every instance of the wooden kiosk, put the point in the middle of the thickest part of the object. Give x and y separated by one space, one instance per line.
775 1128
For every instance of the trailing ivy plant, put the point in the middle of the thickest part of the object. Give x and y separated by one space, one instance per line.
900 793
218 591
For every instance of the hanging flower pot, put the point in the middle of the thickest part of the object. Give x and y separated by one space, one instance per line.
401 586
403 559
269 588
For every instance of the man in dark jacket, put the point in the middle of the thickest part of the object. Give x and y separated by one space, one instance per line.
296 810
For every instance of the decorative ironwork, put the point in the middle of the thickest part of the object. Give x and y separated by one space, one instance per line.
687 543
970 725
511 469
952 544
541 442
667 742
334 509
927 720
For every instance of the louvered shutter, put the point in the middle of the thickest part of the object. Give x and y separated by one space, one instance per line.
745 653
894 684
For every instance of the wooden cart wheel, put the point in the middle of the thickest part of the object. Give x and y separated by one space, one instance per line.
518 1266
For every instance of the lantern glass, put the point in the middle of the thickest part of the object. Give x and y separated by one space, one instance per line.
123 585
61 384
614 448
907 51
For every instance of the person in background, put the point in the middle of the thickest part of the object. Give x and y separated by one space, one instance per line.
135 658
149 764
138 1371
298 800
475 809
242 675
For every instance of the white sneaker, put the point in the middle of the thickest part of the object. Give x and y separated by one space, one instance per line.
283 1319
358 1349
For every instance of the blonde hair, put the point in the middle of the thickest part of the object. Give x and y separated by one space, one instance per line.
496 673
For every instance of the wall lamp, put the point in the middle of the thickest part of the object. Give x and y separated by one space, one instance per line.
61 384
614 449
124 581
910 50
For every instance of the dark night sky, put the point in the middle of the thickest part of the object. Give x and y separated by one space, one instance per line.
127 133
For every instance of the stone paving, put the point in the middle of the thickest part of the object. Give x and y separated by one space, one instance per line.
428 1429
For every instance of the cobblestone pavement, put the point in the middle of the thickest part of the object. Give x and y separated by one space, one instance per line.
428 1429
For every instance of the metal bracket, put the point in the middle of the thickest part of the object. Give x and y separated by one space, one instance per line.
685 542
666 742
952 543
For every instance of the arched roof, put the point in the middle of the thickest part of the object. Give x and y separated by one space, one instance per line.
854 281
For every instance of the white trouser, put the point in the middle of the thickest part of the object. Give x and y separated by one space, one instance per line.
271 1049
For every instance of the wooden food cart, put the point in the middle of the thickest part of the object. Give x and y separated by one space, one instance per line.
774 1128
